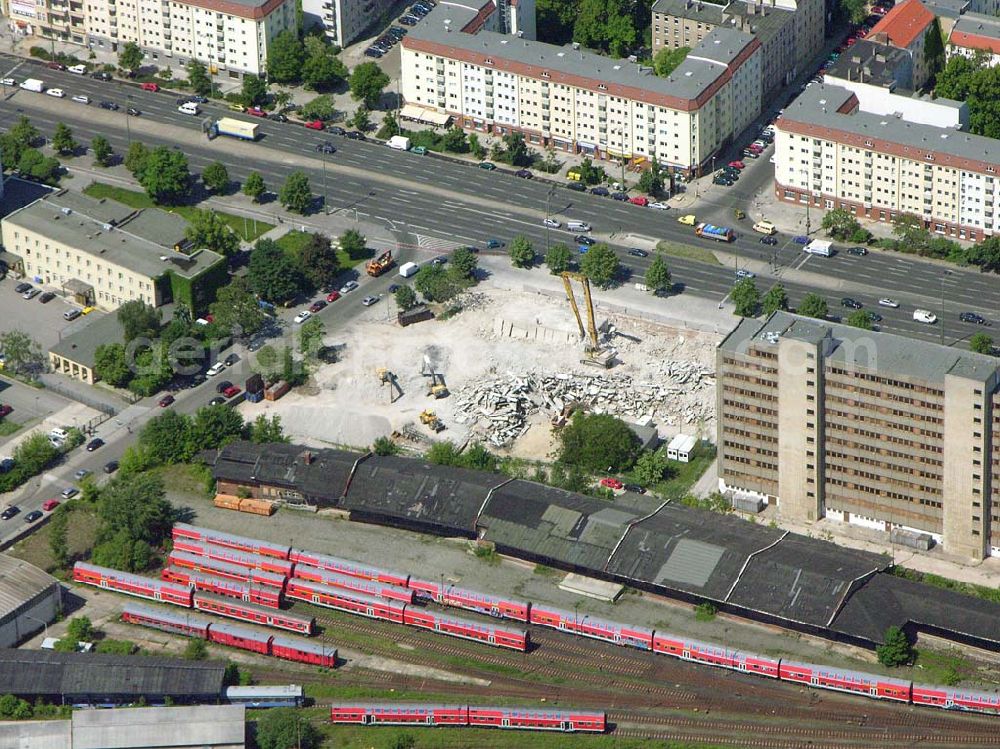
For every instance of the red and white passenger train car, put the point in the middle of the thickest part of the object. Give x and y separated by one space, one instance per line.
133 585
184 624
468 715
235 556
536 720
356 584
589 626
349 568
184 531
345 600
225 569
490 633
249 612
714 655
259 594
858 682
952 698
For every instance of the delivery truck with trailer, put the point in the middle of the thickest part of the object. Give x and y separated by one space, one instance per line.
236 129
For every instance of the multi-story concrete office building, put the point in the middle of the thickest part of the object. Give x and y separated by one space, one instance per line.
104 253
582 102
227 35
685 23
882 431
830 154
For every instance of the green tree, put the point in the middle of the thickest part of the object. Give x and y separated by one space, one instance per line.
406 298
366 83
443 453
362 119
130 57
318 260
296 193
34 454
475 147
21 136
658 279
896 649
22 353
80 629
554 19
515 150
135 159
840 224
667 60
214 426
775 299
153 371
745 297
934 56
120 551
311 335
650 181
598 442
651 467
138 319
263 430
273 275
985 254
35 165
285 57
62 139
165 438
389 127
65 645
322 69
208 230
319 108
855 10
254 91
606 25
813 305
859 318
385 446
215 177
165 176
454 140
111 364
522 254
463 264
198 78
283 728
136 506
58 538
434 283
600 265
254 187
102 150
354 244
558 258
981 343
197 650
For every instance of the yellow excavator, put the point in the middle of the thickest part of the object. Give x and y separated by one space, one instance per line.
429 418
387 377
596 355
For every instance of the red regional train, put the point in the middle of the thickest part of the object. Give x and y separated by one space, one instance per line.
259 594
249 612
349 568
278 646
469 715
133 585
225 569
357 584
218 538
235 556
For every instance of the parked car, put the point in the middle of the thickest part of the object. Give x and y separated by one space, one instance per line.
232 391
887 302
111 466
368 301
215 369
47 297
314 124
332 296
81 474
635 488
858 251
611 483
972 317
95 444
523 174
355 135
549 222
9 512
636 252
31 293
69 492
50 504
22 287
32 516
640 200
149 87
489 166
256 112
737 165
336 130
302 317
100 75
601 191
349 286
316 306
576 187
217 401
619 196
55 65
166 400
658 206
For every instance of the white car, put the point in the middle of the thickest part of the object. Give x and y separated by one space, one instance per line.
56 92
551 223
78 69
659 206
887 302
744 273
925 316
348 287
368 301
81 99
302 317
8 82
216 368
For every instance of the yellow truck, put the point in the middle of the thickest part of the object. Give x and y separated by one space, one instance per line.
688 220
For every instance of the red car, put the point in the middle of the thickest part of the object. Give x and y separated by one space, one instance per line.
166 400
317 306
4 410
332 296
256 112
755 148
231 391
55 65
149 87
737 165
639 200
315 124
50 504
611 483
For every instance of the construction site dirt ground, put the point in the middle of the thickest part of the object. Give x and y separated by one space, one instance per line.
500 336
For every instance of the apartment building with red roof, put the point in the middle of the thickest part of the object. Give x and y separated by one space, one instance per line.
905 27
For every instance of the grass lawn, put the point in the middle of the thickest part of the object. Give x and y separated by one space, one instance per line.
247 230
80 534
8 427
698 254
295 240
683 475
942 667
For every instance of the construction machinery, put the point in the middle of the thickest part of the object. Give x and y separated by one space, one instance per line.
389 378
379 265
596 355
430 419
437 387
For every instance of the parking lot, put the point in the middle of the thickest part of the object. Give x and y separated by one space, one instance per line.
43 322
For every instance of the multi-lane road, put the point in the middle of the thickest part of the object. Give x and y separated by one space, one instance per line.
420 199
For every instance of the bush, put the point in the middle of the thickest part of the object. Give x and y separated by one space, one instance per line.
598 442
705 612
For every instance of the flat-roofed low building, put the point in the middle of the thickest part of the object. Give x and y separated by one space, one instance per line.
121 254
30 599
874 429
76 352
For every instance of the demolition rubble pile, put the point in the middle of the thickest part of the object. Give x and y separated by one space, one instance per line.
498 408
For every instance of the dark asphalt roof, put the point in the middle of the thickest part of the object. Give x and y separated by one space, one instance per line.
887 600
321 475
803 579
563 526
691 550
31 672
420 493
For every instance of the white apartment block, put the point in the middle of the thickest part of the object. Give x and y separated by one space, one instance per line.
581 102
974 36
226 35
830 154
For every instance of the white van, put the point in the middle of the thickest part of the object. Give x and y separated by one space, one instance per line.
765 227
58 433
78 69
408 269
819 247
578 226
188 107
